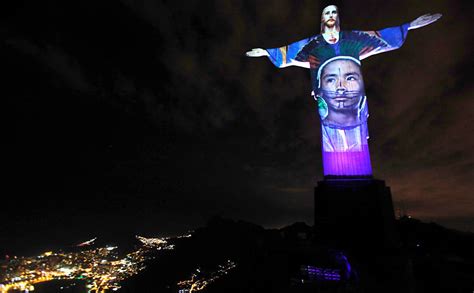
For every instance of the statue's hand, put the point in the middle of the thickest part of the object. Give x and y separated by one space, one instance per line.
257 52
424 20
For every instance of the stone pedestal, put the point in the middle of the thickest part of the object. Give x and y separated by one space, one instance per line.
354 213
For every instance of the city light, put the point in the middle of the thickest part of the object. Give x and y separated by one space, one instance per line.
201 279
101 268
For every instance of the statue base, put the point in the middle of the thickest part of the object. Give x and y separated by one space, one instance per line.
354 213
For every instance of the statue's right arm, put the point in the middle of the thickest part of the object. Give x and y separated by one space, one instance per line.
283 56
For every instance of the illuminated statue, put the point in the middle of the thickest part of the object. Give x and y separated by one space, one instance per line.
333 58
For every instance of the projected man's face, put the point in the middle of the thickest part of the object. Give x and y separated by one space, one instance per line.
342 84
342 87
329 16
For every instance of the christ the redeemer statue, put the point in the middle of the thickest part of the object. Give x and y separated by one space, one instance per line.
333 58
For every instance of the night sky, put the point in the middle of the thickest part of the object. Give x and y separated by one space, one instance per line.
142 116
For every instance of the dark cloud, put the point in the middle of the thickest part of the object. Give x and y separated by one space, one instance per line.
56 61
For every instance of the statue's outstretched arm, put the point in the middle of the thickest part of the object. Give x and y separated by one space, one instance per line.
393 37
424 20
283 56
257 52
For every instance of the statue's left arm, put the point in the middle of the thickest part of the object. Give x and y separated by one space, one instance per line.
393 38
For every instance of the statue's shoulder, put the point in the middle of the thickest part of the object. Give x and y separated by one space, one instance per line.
303 54
368 38
317 39
315 42
354 34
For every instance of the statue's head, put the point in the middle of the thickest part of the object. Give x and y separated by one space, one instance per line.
330 18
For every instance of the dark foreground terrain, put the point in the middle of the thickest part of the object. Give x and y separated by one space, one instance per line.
430 258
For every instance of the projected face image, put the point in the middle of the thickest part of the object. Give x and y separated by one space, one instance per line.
329 16
342 89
